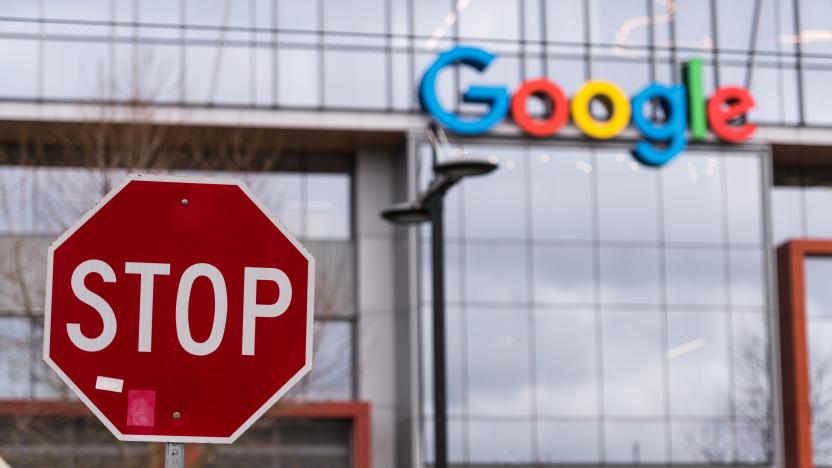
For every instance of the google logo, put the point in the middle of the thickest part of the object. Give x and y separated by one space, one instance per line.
681 104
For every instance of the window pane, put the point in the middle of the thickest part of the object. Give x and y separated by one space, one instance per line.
692 195
743 199
75 70
698 363
695 276
355 79
748 276
19 68
817 95
618 283
632 363
818 293
567 362
752 366
328 206
457 442
65 194
818 221
15 357
496 273
297 15
710 442
693 25
564 274
334 278
568 442
362 16
500 442
23 274
331 377
561 195
490 19
497 213
498 362
298 75
787 218
754 444
634 443
820 371
281 195
626 198
16 185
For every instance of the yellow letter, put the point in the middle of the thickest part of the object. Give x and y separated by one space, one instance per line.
613 98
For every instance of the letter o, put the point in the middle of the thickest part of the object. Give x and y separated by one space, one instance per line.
558 113
617 105
183 300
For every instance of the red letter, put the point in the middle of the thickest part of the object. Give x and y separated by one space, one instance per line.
544 89
724 106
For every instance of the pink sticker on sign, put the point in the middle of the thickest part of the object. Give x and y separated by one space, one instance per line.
141 408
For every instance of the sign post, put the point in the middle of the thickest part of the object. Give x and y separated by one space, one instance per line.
174 455
179 311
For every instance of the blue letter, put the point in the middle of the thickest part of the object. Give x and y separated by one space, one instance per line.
672 131
496 96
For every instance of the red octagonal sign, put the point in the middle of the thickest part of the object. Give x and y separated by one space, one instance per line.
178 310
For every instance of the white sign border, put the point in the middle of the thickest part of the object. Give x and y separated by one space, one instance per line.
310 312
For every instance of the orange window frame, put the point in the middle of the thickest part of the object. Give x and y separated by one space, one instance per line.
356 411
794 350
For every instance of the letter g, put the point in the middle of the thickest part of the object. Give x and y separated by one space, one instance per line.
496 96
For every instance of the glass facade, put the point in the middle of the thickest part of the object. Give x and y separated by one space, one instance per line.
369 54
604 312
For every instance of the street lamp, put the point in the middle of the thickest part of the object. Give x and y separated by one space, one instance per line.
429 207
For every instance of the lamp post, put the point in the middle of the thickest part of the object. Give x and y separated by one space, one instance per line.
430 207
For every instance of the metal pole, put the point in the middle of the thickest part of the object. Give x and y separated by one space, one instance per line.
174 455
439 401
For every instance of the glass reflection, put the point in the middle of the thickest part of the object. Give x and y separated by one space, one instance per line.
818 271
633 361
787 214
743 198
498 362
15 357
500 441
568 442
618 283
752 360
818 221
564 274
627 194
561 195
491 213
747 277
698 363
708 442
695 276
566 362
635 442
496 273
692 198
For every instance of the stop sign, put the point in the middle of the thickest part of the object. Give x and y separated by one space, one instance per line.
178 310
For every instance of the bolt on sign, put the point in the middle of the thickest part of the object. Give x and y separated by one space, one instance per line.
179 310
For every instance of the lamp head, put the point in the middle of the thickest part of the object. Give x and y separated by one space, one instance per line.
406 213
